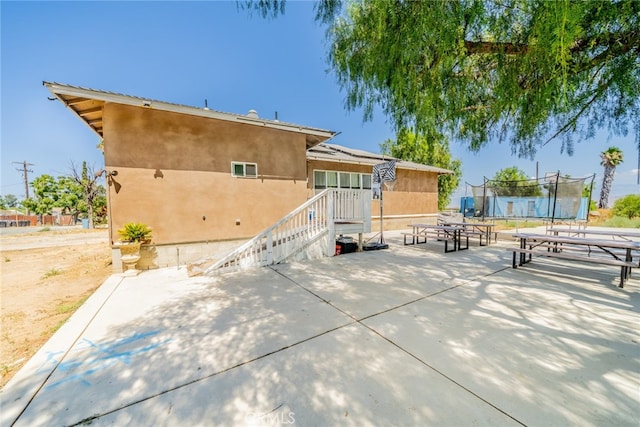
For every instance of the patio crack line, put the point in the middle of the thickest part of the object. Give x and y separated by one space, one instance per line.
360 322
464 283
314 294
448 378
246 362
424 362
88 420
66 353
355 321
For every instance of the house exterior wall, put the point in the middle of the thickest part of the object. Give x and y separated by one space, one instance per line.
174 174
415 192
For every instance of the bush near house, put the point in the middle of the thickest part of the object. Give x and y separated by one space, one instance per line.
628 206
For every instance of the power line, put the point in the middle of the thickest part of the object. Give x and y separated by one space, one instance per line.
11 185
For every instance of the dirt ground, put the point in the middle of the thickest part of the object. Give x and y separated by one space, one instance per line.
46 276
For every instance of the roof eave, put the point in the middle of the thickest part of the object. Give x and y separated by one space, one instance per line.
439 171
314 136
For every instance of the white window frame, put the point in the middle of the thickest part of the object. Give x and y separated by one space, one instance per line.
333 179
316 175
324 184
362 181
244 169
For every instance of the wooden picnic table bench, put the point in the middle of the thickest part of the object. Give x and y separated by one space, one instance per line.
440 232
620 253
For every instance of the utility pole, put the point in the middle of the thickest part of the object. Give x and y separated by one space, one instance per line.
25 171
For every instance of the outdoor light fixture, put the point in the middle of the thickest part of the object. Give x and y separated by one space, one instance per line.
106 172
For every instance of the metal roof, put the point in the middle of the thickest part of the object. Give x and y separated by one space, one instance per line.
88 105
340 154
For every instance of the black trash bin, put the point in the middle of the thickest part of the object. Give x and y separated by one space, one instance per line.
346 245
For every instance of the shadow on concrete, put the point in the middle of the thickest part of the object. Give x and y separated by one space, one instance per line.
408 336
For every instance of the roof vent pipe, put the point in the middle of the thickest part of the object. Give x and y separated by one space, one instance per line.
206 104
253 114
276 116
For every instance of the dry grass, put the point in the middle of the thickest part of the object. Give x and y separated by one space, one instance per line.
43 286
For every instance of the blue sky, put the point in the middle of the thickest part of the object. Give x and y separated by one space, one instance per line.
186 52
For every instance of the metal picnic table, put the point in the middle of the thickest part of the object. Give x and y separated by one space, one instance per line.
483 228
441 232
619 253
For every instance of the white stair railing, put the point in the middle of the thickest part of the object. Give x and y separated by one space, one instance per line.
299 229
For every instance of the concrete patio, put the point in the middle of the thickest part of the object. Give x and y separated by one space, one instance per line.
405 336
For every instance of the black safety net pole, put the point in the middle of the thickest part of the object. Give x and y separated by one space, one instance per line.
555 197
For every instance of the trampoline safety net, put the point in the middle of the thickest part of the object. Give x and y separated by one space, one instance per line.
551 197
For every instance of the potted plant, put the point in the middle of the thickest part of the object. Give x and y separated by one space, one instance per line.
132 235
135 232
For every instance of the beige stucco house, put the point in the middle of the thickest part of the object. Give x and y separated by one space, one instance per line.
200 177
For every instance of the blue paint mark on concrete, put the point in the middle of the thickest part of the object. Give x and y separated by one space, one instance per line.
50 361
102 356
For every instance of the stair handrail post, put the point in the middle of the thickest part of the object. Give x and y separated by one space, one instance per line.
269 248
331 224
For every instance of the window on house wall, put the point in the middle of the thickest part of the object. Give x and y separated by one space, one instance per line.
332 179
366 181
319 180
355 180
244 170
335 179
345 180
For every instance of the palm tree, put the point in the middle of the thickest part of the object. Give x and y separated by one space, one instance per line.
611 158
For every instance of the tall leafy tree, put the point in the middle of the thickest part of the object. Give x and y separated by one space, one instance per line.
11 200
513 181
433 151
524 72
69 197
68 193
8 201
46 194
610 158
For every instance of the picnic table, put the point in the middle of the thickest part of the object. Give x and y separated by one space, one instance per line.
480 229
577 232
440 232
619 253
